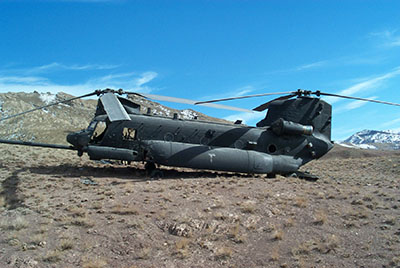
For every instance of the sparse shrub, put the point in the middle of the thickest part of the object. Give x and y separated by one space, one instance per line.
66 244
144 253
275 254
223 253
83 222
52 256
277 235
300 202
320 218
182 247
289 222
235 235
17 224
248 207
94 263
125 210
328 244
78 212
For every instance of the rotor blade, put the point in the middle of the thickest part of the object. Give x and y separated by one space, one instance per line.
264 106
355 98
244 97
114 108
51 104
191 102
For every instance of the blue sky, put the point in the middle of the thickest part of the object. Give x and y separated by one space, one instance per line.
210 49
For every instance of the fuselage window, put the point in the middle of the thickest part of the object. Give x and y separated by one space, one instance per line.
128 133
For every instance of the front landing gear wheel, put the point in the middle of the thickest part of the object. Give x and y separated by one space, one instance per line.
152 171
150 166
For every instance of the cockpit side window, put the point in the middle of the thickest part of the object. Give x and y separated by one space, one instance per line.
99 130
129 133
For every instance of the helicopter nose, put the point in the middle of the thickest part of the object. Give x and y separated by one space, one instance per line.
72 138
78 139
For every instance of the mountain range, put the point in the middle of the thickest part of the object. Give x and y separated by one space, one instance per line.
373 139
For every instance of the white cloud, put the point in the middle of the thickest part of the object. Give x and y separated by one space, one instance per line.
389 38
391 123
145 78
247 118
312 65
231 94
353 105
25 80
368 84
55 66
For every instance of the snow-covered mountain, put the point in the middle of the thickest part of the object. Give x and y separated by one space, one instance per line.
374 139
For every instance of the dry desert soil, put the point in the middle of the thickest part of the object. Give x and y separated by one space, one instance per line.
59 210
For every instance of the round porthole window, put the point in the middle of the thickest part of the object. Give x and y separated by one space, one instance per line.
271 148
169 136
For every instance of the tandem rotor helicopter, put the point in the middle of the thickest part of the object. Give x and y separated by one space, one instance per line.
295 130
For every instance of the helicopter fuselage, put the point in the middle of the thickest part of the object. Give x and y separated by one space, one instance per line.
202 145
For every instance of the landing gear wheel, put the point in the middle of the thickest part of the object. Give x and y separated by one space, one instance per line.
150 166
152 171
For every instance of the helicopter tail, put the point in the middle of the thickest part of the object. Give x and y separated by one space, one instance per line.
305 111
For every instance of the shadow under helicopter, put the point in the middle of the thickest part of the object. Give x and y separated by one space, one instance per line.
132 173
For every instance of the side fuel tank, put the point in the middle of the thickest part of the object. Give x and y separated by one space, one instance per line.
218 158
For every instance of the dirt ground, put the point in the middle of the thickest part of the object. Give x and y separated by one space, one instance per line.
57 210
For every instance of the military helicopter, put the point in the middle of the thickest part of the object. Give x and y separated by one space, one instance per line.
295 130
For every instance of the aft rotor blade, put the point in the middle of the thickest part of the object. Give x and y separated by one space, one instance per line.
191 102
244 97
49 105
264 106
355 98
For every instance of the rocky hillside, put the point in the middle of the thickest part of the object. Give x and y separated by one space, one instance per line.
373 139
51 125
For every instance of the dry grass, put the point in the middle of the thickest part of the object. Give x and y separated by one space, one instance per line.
182 247
223 253
94 263
235 234
300 202
53 256
66 244
248 207
129 209
277 234
320 217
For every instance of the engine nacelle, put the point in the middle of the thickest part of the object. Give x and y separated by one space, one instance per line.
281 127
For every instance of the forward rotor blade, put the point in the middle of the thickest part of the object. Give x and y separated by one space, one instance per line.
355 98
191 102
244 97
113 107
264 106
51 104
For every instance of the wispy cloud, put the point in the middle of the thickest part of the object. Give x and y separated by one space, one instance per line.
391 123
238 92
55 66
28 80
388 38
247 118
353 105
368 84
312 65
